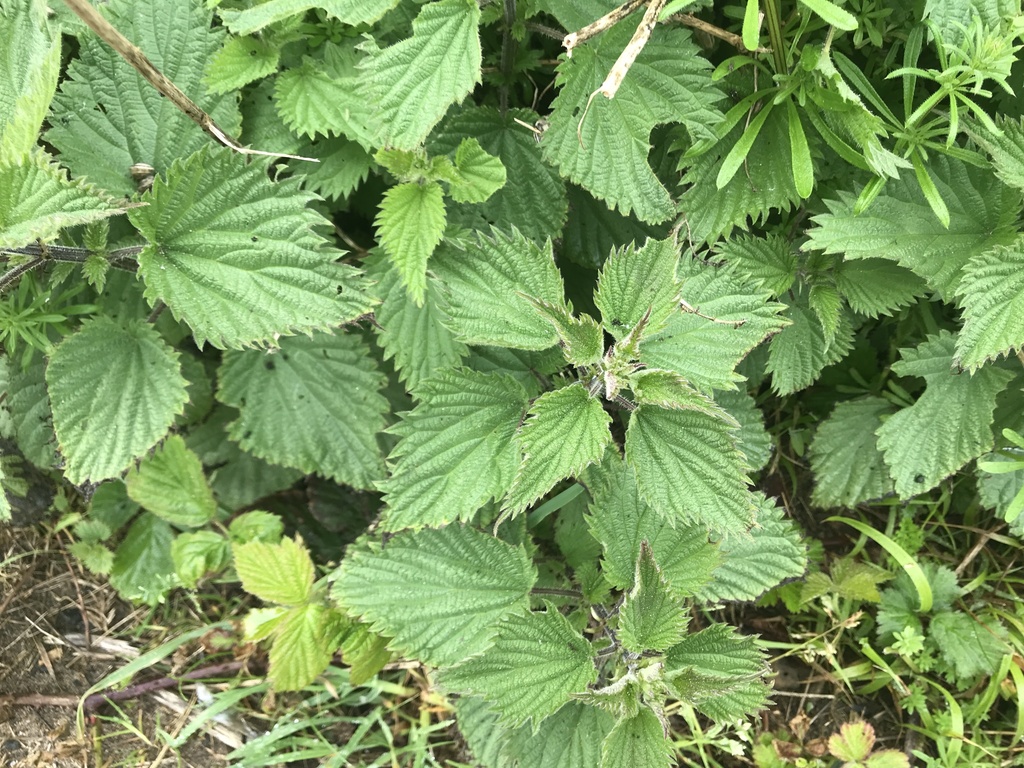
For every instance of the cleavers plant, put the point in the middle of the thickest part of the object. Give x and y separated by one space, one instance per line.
586 269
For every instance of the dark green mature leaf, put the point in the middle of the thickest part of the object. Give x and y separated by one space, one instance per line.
992 294
106 117
769 262
313 404
170 483
706 351
484 277
343 166
594 230
607 152
638 742
267 12
801 351
456 452
565 431
570 738
236 256
1006 150
143 569
900 225
688 467
951 422
485 736
847 463
439 593
636 283
115 390
536 663
876 287
414 81
29 66
753 439
319 99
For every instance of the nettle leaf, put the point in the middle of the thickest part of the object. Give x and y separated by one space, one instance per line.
106 117
536 663
565 431
992 294
651 619
1005 149
753 439
876 287
706 351
316 99
533 197
29 67
951 422
768 262
754 562
410 225
800 352
581 338
607 152
267 12
414 81
570 738
440 593
37 201
314 404
638 742
845 458
30 414
594 229
115 390
343 166
417 338
480 174
900 225
485 277
688 467
638 283
276 573
622 521
170 483
300 650
456 451
765 185
720 672
240 61
236 256
665 389
486 738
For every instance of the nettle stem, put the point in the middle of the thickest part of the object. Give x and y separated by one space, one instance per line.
508 54
575 594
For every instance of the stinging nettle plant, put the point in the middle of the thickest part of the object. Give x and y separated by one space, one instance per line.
548 366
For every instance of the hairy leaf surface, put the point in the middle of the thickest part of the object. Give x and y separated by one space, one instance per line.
650 619
570 738
992 293
638 741
845 458
635 282
876 287
410 225
801 351
768 262
318 99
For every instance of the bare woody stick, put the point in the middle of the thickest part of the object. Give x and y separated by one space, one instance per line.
137 59
611 18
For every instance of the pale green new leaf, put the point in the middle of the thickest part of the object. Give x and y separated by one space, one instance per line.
753 439
768 262
754 562
651 618
845 458
621 521
170 483
901 227
951 422
31 417
240 61
143 568
992 294
536 663
1006 150
570 738
413 82
263 14
665 389
602 144
565 431
456 451
688 467
276 573
300 649
29 66
439 593
417 338
800 352
115 390
876 287
410 225
705 351
197 553
106 117
236 256
317 99
314 404
37 201
484 277
638 742
635 282
480 174
720 672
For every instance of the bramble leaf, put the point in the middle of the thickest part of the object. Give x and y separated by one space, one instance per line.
313 404
845 458
410 225
170 483
413 82
143 568
536 663
115 390
300 649
992 294
456 451
440 593
480 174
236 256
280 573
971 647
